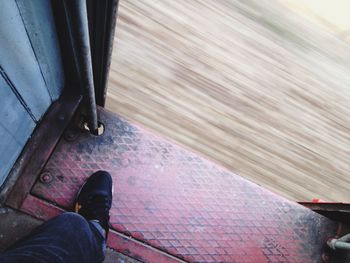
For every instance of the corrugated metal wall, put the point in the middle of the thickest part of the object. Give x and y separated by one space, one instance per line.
31 73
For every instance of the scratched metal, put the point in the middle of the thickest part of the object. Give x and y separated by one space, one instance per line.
183 204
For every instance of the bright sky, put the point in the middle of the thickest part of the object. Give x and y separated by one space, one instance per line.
335 12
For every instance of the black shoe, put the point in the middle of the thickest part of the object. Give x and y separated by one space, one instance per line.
94 199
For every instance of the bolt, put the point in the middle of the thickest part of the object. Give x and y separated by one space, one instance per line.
325 258
46 177
61 117
71 135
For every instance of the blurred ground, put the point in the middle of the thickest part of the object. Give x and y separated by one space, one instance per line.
256 86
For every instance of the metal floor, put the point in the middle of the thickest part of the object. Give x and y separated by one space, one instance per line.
170 205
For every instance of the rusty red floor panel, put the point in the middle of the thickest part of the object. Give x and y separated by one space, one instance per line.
178 205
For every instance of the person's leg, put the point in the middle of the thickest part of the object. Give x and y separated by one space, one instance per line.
65 238
71 237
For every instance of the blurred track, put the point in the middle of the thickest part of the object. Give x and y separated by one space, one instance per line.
246 83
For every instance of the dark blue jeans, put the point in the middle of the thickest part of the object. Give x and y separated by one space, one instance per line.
65 238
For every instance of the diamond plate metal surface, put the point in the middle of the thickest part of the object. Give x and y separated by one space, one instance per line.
182 204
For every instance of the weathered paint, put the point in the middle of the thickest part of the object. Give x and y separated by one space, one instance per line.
182 204
38 20
31 73
15 128
19 62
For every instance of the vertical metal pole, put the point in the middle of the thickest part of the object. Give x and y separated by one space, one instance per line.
80 36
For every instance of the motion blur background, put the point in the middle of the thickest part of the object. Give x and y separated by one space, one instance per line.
261 87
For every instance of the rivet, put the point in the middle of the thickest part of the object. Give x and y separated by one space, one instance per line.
46 177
